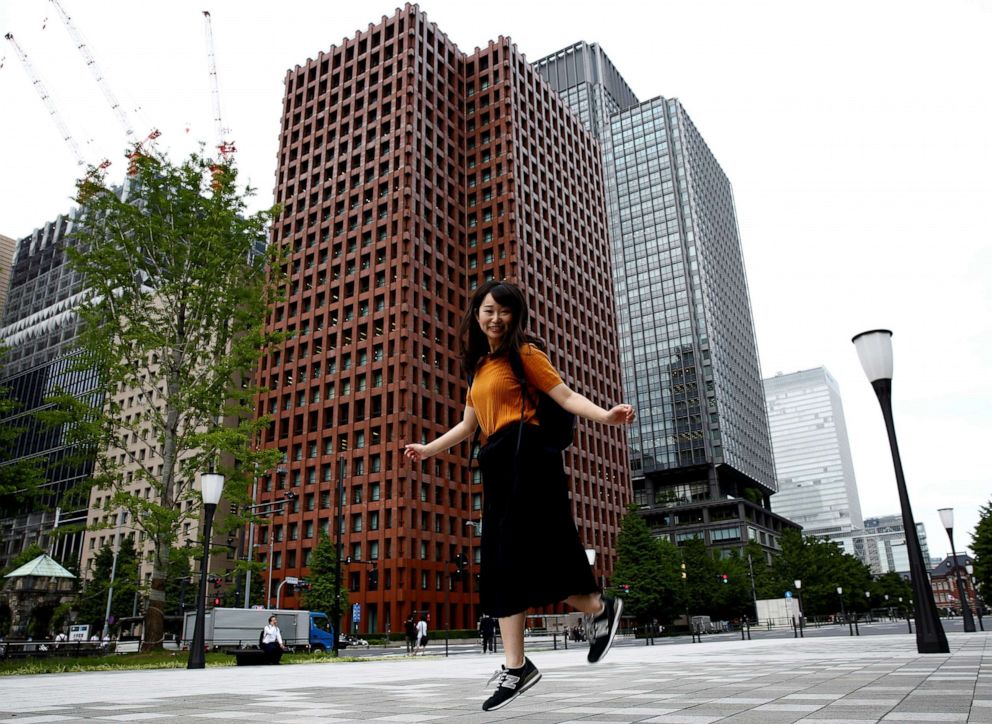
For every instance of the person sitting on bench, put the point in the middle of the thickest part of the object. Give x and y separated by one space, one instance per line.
271 641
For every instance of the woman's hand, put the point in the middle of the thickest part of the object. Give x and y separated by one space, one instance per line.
415 452
620 415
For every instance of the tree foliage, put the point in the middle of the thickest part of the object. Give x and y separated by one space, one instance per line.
91 604
173 324
822 567
981 547
719 584
653 591
321 596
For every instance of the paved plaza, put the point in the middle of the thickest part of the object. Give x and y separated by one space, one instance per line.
838 679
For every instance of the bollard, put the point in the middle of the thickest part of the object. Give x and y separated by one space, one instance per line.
857 631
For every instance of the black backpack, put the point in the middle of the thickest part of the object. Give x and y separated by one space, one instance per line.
557 423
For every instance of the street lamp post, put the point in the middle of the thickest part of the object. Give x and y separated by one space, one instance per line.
799 593
875 353
947 520
868 603
477 530
843 611
211 486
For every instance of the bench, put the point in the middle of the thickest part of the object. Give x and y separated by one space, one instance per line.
250 657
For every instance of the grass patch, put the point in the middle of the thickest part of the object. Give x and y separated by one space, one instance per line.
144 660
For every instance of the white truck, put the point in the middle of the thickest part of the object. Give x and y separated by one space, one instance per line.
778 612
239 628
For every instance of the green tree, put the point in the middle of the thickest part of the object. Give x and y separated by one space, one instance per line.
91 603
981 547
177 298
651 590
733 598
703 578
822 567
894 586
321 596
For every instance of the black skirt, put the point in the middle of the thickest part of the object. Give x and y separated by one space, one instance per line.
531 552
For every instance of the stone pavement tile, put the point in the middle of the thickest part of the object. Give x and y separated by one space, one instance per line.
38 719
681 719
930 716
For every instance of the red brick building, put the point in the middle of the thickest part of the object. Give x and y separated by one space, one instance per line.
409 172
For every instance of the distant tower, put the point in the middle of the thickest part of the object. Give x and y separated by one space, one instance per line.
700 452
7 247
817 487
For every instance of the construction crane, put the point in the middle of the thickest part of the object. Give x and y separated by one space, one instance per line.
224 146
53 110
91 63
108 93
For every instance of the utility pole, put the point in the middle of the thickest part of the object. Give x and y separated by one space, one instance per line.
337 556
113 573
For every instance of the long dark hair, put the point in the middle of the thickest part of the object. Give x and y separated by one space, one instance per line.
474 343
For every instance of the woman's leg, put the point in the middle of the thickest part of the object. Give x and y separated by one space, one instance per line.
512 630
591 603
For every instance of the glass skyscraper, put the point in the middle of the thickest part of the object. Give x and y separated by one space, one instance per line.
817 487
39 328
701 457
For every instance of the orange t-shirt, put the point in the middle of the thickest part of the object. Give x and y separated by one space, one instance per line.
495 392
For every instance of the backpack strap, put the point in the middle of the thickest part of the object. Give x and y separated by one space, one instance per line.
517 365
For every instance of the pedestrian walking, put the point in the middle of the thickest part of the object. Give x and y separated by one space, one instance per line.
410 631
422 635
531 552
487 628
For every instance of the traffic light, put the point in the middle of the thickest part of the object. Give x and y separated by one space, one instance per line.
725 580
216 601
683 571
461 567
625 588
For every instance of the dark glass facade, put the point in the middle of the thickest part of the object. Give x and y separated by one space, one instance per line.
38 331
410 172
690 362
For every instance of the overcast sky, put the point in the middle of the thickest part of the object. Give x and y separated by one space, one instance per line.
855 134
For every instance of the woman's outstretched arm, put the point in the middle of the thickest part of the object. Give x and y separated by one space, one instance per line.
583 407
417 452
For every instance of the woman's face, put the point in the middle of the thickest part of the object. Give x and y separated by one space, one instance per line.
494 320
272 621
